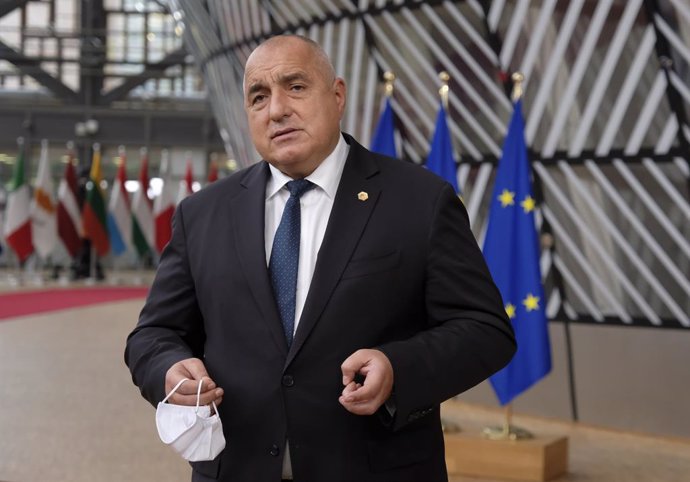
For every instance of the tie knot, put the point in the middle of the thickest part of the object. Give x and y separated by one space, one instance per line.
299 187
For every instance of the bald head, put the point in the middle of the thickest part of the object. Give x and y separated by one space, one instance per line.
317 51
294 103
319 56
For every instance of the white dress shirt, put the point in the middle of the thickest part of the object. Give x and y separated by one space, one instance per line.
316 205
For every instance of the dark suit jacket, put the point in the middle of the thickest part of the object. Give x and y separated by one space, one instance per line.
400 272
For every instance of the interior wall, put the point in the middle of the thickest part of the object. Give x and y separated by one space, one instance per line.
634 379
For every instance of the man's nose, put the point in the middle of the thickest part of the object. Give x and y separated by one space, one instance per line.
279 106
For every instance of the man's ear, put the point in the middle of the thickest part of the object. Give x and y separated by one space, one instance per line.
340 94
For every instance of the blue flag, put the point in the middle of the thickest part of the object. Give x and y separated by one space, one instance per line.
441 160
384 135
511 249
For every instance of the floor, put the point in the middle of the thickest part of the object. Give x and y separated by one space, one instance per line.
69 412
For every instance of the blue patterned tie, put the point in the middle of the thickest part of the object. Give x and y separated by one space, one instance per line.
285 256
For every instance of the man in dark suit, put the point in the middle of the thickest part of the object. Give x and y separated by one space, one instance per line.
331 361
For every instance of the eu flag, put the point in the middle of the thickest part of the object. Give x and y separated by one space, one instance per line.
511 249
384 135
441 160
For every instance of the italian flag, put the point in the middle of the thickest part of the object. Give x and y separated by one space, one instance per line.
93 216
17 227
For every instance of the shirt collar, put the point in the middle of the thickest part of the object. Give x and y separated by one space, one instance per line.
326 175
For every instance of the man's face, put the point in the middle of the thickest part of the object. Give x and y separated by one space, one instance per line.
293 104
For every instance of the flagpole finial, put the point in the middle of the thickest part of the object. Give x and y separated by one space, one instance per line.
444 90
389 79
518 79
143 152
20 141
44 143
97 146
70 145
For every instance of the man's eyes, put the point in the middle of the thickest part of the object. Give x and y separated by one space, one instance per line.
257 98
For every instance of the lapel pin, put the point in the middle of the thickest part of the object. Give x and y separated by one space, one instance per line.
362 196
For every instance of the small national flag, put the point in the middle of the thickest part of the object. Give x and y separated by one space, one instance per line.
17 227
384 135
43 208
164 205
142 216
186 183
441 159
94 213
119 213
68 215
511 249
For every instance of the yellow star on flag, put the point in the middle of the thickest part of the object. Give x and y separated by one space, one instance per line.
507 198
528 204
510 310
531 302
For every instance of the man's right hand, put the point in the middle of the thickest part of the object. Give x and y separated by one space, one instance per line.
194 370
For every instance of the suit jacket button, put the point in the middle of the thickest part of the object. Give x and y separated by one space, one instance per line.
288 381
275 450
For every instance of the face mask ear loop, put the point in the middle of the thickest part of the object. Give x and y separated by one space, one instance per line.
198 396
174 389
215 409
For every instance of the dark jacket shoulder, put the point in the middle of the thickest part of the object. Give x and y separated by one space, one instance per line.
224 190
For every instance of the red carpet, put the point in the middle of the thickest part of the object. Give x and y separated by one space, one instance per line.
33 302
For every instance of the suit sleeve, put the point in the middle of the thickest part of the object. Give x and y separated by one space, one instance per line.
170 326
468 335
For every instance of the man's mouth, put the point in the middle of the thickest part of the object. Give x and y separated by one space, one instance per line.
283 132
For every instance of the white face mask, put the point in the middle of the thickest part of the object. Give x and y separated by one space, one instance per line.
192 432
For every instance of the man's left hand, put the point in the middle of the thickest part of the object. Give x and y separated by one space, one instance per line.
366 398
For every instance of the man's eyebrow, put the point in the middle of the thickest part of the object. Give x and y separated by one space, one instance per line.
288 78
255 87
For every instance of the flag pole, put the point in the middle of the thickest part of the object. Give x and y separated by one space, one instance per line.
385 139
508 431
448 426
91 280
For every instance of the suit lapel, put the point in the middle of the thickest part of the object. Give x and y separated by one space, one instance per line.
249 238
347 221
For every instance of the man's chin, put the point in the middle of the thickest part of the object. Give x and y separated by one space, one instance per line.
283 162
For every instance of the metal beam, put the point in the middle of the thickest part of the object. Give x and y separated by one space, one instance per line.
151 71
179 122
7 6
32 68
